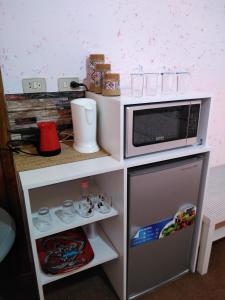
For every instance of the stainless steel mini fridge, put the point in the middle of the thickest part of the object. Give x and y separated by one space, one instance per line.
162 212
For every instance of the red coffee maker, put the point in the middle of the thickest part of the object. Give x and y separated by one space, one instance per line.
48 141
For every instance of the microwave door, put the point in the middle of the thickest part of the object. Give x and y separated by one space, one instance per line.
152 128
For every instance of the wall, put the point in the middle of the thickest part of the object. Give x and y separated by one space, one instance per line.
52 39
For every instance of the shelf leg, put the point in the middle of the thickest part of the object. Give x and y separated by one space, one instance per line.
208 229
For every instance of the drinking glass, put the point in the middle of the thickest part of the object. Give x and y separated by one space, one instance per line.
137 84
183 82
104 204
43 220
169 83
125 84
85 209
68 211
151 83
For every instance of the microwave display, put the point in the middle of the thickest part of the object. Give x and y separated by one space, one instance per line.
152 126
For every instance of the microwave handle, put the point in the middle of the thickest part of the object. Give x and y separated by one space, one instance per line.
193 122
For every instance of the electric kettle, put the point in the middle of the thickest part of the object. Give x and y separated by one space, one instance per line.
49 142
84 118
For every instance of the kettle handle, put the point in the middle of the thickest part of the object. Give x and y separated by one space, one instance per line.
89 113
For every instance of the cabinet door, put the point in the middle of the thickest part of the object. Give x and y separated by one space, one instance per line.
156 194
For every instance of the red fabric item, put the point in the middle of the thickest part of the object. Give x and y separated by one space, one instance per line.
64 252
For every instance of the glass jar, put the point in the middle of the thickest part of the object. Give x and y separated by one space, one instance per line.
111 84
101 70
94 59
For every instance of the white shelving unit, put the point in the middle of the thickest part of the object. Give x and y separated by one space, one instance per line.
50 186
39 192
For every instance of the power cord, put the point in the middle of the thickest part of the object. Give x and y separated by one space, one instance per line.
75 85
66 136
16 149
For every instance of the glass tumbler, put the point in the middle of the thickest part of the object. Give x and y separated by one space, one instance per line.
104 204
43 220
169 83
151 83
68 211
137 84
183 82
85 209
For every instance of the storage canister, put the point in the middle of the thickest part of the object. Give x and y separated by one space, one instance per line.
93 60
111 84
101 70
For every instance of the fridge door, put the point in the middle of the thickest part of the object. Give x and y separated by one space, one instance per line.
155 194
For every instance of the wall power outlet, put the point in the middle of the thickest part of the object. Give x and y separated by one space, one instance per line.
64 83
34 85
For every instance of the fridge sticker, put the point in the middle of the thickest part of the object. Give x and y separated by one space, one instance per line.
184 217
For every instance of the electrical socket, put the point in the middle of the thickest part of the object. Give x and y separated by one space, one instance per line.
64 83
34 85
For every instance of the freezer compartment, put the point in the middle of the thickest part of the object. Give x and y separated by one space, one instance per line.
156 193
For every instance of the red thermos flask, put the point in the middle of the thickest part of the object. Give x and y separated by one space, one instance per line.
49 142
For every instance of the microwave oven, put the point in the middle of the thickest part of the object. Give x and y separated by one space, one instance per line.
160 126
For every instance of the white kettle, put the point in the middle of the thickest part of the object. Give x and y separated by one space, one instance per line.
84 118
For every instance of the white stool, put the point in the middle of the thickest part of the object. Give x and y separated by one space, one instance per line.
213 227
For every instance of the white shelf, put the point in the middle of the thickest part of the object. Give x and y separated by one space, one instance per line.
165 155
103 252
61 173
59 226
129 99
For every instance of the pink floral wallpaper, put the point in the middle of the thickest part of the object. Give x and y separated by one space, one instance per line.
52 39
